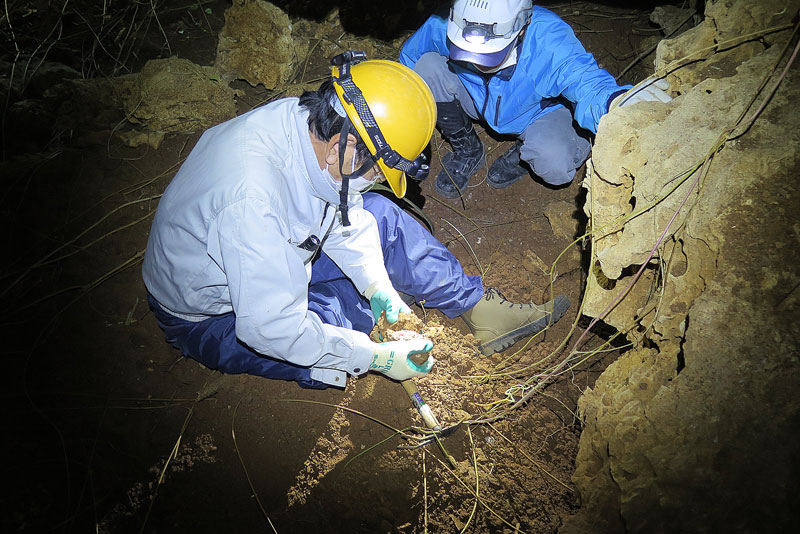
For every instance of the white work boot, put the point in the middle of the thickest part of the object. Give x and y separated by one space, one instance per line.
499 323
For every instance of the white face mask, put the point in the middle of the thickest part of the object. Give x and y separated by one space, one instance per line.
507 62
357 183
361 184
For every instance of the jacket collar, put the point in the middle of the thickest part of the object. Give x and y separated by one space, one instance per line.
320 185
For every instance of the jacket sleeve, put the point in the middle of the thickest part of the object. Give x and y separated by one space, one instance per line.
430 37
269 292
357 251
569 70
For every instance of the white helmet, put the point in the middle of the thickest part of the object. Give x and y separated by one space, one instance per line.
484 32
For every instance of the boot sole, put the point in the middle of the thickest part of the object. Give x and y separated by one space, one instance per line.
460 191
503 185
560 307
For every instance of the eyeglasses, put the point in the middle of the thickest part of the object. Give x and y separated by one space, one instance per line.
374 174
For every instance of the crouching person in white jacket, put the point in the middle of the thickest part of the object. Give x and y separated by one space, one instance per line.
265 258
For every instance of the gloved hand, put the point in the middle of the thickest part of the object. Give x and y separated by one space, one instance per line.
392 358
386 300
652 90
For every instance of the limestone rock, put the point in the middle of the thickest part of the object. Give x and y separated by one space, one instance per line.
260 44
695 429
734 18
682 47
718 40
643 152
175 95
670 18
256 45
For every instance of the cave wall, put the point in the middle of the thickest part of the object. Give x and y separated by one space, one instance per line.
695 429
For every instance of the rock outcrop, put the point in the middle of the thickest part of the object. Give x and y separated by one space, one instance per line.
256 44
695 429
262 45
175 95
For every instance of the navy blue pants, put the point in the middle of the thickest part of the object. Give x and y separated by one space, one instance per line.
417 263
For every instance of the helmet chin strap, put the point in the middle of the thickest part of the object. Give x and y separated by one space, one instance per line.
345 189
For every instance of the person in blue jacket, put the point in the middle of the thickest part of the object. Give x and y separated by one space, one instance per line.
521 70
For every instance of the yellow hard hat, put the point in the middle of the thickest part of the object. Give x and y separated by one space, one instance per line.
391 108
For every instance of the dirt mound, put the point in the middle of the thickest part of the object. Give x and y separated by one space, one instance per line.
493 466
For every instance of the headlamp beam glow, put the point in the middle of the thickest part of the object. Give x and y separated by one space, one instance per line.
478 33
475 36
491 30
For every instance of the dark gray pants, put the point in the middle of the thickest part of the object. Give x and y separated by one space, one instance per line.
550 145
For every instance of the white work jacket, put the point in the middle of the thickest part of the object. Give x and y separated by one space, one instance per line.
226 234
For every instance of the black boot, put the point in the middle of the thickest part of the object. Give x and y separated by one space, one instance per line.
507 169
467 156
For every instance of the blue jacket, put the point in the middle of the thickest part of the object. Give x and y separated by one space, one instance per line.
551 63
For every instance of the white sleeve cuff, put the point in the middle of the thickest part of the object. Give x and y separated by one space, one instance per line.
373 288
362 354
357 364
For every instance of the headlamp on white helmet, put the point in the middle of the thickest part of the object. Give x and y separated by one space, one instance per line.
484 32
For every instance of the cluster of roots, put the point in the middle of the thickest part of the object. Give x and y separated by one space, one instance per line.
457 388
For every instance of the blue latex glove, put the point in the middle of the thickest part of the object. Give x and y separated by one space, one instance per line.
650 90
392 358
387 300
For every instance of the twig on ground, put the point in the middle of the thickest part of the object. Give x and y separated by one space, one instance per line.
244 468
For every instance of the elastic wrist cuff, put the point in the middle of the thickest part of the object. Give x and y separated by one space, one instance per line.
373 288
611 98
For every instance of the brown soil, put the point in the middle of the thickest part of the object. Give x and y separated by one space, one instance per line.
108 428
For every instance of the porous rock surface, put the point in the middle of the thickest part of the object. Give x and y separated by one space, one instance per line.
174 95
695 429
262 45
256 44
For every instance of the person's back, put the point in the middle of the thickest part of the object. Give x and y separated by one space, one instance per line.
249 159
